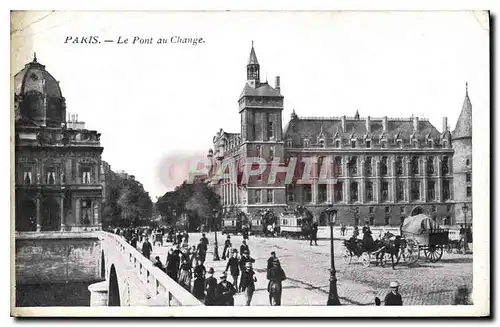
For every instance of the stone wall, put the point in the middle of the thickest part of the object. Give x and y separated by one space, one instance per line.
57 258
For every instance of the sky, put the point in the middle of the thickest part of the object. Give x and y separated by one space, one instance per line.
155 103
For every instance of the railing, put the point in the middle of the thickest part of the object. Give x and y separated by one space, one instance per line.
162 290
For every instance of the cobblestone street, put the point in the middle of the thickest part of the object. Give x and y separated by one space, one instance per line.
307 270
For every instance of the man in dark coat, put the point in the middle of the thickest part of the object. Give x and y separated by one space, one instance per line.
314 234
393 297
158 263
275 276
173 263
225 291
179 237
245 258
247 283
204 240
244 247
227 244
270 261
201 250
133 241
147 248
210 286
233 267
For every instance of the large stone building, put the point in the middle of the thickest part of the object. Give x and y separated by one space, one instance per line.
58 177
378 169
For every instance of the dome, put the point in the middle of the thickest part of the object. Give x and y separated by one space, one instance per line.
38 98
34 78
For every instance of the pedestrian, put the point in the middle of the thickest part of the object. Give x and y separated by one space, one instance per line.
270 261
247 283
342 229
186 236
245 232
393 297
204 241
367 237
192 255
133 241
201 250
199 281
185 274
276 276
173 264
233 267
147 248
158 263
355 232
314 234
227 245
244 247
179 237
210 286
225 291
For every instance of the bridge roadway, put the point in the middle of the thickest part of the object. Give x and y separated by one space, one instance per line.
308 276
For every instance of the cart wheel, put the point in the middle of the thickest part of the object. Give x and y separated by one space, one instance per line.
434 253
365 259
412 252
347 256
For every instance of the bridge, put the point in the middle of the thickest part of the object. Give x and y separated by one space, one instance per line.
132 280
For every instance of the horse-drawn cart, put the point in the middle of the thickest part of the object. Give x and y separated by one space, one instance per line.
422 234
355 248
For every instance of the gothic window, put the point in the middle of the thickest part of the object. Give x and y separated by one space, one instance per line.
400 192
353 165
322 143
86 212
469 190
271 152
415 143
383 166
322 193
445 144
430 143
354 191
399 166
306 143
86 175
431 190
383 144
307 193
368 166
270 130
415 190
385 191
337 190
27 176
430 165
369 191
414 165
258 196
445 167
289 143
270 196
337 143
338 166
50 175
368 143
446 190
353 144
399 143
468 177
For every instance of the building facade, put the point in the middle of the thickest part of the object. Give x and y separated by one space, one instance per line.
376 169
59 180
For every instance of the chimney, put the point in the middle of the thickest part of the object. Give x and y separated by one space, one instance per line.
415 123
76 117
368 125
384 123
342 120
445 124
277 84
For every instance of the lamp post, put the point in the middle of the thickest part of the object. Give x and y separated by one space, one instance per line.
333 297
216 246
465 209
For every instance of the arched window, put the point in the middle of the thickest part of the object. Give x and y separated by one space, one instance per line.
306 143
430 165
368 166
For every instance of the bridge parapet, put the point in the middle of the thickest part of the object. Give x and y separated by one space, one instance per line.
159 288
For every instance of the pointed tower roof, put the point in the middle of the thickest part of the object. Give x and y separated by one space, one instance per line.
463 129
252 60
356 116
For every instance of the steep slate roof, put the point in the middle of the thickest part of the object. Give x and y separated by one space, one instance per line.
464 122
300 128
263 90
252 60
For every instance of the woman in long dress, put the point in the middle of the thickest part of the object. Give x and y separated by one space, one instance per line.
199 280
367 237
185 274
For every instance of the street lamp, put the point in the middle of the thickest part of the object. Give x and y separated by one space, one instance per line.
216 246
465 209
333 297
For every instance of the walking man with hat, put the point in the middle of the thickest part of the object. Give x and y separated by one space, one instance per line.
393 297
225 291
210 286
233 266
247 283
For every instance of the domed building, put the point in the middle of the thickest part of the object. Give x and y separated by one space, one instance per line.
58 180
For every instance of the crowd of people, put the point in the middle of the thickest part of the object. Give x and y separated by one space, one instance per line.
185 264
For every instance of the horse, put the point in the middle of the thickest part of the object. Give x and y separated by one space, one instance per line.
391 245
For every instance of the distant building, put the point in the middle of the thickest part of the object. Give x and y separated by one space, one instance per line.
381 169
58 176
